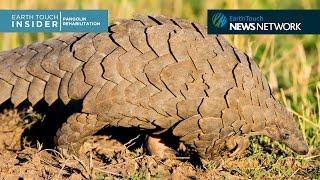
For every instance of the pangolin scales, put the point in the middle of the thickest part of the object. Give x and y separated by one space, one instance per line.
154 73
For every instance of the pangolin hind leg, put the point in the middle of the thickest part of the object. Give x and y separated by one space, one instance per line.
75 129
158 148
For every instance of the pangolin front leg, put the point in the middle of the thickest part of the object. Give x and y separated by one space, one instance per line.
77 127
241 143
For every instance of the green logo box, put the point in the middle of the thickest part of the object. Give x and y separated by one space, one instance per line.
54 20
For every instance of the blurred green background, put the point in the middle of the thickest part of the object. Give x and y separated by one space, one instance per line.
290 62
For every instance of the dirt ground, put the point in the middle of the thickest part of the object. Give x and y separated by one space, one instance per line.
101 157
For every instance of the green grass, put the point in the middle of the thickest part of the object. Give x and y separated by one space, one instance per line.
290 62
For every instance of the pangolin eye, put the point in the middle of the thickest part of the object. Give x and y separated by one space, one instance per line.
286 136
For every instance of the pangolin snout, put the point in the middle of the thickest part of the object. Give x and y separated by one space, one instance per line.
298 145
302 149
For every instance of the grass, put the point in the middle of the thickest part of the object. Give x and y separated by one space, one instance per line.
290 62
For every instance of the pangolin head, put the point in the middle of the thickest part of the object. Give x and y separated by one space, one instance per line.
285 129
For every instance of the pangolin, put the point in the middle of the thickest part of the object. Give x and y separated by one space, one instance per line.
153 73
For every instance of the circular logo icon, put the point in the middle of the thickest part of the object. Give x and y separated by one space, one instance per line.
219 20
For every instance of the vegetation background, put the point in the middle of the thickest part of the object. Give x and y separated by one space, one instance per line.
290 62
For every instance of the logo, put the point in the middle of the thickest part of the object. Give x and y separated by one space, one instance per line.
222 21
219 20
54 20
